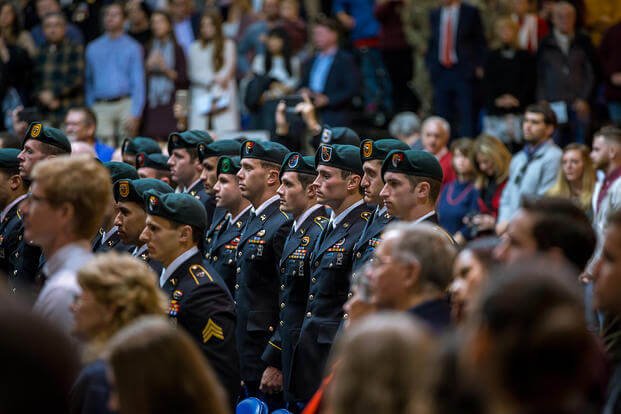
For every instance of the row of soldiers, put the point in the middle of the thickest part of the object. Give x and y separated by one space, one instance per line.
255 246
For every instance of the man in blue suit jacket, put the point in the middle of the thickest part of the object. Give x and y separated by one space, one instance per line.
455 55
331 77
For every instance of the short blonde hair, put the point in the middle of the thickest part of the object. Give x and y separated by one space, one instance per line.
125 284
80 181
492 148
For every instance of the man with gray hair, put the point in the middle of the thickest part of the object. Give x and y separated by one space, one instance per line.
436 132
406 127
411 272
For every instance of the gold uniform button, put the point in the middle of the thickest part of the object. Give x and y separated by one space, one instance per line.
215 258
314 280
330 265
294 273
345 316
358 255
282 287
236 286
252 257
311 297
209 240
207 256
282 323
230 261
270 328
282 305
349 295
239 254
308 314
239 270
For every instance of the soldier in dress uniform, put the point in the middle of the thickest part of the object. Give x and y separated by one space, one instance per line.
131 216
153 166
186 168
138 145
221 241
372 153
12 191
259 249
40 143
108 237
199 300
412 185
338 186
208 155
297 197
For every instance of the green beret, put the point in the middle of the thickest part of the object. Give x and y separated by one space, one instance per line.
121 170
178 207
187 139
413 162
133 146
295 162
377 150
343 157
228 165
264 150
339 135
218 149
155 161
133 190
48 135
8 158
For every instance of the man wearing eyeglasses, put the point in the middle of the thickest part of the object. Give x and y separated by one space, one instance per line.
533 170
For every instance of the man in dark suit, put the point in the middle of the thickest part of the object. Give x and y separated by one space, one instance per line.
338 186
297 197
259 249
220 246
131 216
372 154
331 77
186 169
412 185
455 54
199 299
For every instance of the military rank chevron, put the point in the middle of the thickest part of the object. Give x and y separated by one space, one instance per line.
212 330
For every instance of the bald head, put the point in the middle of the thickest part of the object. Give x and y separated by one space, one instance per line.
436 132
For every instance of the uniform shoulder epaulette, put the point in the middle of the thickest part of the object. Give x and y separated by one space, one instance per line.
284 214
321 221
198 272
365 215
19 214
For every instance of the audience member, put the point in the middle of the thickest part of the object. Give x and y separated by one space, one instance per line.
610 57
66 205
406 127
534 169
141 358
12 30
455 54
251 42
186 23
532 28
211 70
411 272
115 78
576 177
116 290
138 19
166 72
606 156
459 199
45 7
80 126
509 84
238 15
436 133
59 71
330 77
292 22
15 70
566 74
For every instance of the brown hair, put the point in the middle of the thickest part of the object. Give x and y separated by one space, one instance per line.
218 38
125 285
610 134
561 186
492 148
159 369
465 146
543 108
80 181
434 185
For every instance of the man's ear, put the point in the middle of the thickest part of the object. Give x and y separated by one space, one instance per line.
422 189
273 177
353 182
185 234
412 276
15 181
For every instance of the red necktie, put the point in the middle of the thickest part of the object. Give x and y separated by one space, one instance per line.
447 44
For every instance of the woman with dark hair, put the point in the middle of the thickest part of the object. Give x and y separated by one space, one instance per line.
139 17
211 69
158 369
11 29
166 73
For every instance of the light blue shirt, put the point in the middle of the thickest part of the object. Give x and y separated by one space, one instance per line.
114 69
319 72
184 35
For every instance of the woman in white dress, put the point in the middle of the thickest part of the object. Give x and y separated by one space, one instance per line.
211 69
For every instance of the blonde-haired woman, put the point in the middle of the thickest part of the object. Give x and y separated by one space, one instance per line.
211 70
576 177
491 160
116 290
158 369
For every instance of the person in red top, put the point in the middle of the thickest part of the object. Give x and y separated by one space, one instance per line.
532 27
436 132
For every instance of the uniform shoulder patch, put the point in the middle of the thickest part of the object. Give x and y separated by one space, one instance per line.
198 272
321 221
365 215
212 330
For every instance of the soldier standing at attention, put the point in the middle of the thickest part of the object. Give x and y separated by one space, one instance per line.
258 252
298 197
338 186
199 299
221 242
